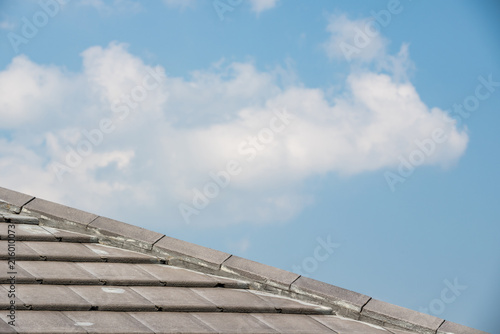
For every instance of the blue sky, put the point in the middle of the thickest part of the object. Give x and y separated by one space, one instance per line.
267 128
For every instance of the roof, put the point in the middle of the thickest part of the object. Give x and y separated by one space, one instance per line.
76 272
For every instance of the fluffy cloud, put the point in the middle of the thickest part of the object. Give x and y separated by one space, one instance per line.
120 135
354 39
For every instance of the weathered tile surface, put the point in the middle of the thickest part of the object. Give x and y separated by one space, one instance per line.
68 281
400 316
260 272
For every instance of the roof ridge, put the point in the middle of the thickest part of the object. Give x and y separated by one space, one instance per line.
206 260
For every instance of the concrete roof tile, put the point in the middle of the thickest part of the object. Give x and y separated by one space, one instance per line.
293 324
230 323
452 328
13 200
348 326
235 300
174 299
119 273
400 316
50 297
113 298
346 301
259 272
177 322
43 208
44 322
191 253
63 251
288 305
21 250
25 232
173 276
113 254
70 236
107 322
134 235
57 272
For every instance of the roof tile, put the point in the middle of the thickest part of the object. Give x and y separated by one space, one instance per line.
119 273
346 325
400 316
230 323
451 328
177 322
50 297
186 252
57 272
293 323
107 322
44 322
133 235
174 299
260 272
13 200
78 219
346 302
110 298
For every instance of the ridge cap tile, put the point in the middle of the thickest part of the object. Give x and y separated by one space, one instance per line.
116 229
449 327
190 253
59 212
401 316
259 271
13 200
348 302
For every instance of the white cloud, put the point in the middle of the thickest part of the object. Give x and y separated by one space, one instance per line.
354 39
259 6
188 127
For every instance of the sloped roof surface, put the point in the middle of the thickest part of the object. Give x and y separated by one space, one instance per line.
76 272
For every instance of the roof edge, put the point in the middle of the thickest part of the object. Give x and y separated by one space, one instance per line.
260 276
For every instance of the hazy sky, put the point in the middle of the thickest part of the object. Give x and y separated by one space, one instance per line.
272 129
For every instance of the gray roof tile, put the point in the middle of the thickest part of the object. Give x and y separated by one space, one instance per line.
235 300
44 208
177 322
26 232
293 323
15 199
175 299
226 323
346 301
259 272
63 251
119 273
50 297
113 298
172 276
187 252
400 316
113 254
21 250
132 235
288 305
107 322
70 236
451 328
57 272
124 291
44 322
349 326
